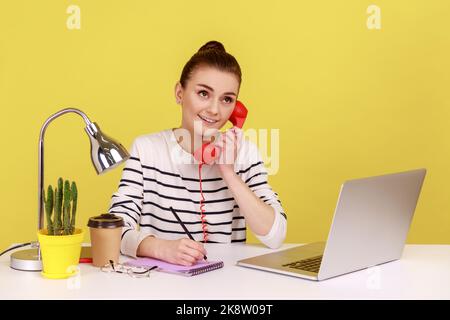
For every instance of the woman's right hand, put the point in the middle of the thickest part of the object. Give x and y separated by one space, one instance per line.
184 251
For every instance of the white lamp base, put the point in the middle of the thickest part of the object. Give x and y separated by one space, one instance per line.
26 260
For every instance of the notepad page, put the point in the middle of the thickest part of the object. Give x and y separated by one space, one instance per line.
166 266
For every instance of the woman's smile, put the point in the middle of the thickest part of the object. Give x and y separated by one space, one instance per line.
208 121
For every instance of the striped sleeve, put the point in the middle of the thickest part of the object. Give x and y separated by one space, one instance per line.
256 177
127 202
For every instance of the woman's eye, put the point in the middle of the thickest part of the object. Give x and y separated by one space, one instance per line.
228 100
203 93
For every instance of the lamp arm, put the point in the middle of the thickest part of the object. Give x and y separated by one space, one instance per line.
89 124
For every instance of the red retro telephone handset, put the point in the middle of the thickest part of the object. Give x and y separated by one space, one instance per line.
207 151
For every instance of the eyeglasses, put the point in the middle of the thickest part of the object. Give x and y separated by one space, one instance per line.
135 272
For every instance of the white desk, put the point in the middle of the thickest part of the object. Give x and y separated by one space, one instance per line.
422 273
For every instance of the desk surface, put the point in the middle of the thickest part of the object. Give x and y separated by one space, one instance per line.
423 272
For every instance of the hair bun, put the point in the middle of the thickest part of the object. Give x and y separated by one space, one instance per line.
212 45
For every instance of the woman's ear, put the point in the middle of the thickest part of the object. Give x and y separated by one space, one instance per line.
178 93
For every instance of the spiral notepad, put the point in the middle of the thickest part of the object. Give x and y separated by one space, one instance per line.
198 268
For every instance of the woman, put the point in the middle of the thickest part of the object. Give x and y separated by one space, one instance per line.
162 173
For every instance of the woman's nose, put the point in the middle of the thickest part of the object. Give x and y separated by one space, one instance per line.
213 108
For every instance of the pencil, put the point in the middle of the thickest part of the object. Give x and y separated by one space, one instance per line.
184 227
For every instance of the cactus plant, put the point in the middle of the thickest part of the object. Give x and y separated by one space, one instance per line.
48 209
58 205
74 206
64 204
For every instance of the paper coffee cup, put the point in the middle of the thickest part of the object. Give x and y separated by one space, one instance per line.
106 231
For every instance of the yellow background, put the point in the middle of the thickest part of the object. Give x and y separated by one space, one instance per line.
349 102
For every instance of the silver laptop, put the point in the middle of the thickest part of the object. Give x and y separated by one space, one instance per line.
370 225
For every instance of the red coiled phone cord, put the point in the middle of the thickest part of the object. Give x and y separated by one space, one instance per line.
202 205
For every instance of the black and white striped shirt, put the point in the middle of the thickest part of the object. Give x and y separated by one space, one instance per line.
160 174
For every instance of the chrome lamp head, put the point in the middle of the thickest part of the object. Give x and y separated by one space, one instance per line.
106 152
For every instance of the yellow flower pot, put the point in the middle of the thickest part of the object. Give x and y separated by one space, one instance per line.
60 254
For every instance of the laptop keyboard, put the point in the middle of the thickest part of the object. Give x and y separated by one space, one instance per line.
311 264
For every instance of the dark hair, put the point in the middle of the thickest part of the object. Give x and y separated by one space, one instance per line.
211 54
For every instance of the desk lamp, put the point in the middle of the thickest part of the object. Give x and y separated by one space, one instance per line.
106 153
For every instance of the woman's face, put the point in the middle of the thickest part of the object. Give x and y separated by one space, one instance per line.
208 99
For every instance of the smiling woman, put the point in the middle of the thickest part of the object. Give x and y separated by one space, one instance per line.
209 96
236 192
208 89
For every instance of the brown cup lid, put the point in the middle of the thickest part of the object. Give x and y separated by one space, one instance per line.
106 221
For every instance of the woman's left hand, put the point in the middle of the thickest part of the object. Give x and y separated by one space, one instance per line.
228 146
